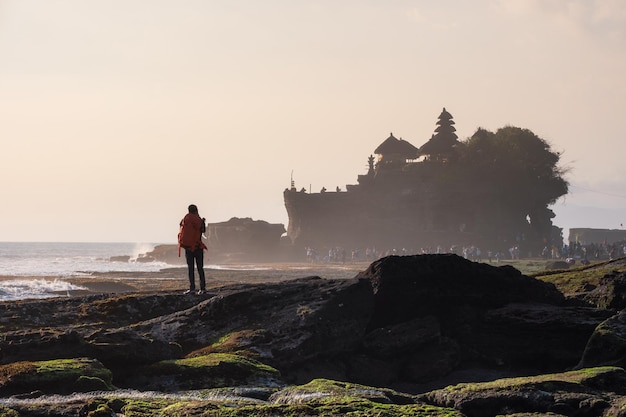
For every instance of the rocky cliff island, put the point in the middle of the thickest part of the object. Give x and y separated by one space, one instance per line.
414 335
491 191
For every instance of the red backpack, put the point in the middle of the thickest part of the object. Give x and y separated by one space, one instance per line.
190 237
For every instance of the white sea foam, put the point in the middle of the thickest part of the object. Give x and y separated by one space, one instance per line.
19 289
60 260
140 249
218 394
239 267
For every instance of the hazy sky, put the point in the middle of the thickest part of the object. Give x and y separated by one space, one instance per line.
115 115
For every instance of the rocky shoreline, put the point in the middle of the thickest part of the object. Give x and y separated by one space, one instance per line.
414 335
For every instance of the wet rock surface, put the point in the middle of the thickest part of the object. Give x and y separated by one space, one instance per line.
415 324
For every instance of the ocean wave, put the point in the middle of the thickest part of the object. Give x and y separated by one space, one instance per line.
20 289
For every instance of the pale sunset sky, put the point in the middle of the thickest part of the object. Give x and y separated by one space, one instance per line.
117 114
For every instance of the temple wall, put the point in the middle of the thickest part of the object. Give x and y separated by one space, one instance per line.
374 219
587 236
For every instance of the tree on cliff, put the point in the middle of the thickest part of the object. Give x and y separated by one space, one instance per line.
519 171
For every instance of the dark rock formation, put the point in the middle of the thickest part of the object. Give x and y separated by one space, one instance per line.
607 345
252 239
446 285
236 240
412 323
294 323
556 265
477 315
610 293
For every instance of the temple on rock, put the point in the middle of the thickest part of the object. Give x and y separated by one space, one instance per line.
409 198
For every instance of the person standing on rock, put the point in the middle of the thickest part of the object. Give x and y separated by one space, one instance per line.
192 226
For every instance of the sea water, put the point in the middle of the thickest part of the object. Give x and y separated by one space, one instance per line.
51 262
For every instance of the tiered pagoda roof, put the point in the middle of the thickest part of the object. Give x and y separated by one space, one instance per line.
443 140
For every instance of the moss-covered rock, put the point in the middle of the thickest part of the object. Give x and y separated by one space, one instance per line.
586 392
238 342
8 412
333 398
607 344
59 376
323 389
86 383
585 282
318 398
102 410
209 371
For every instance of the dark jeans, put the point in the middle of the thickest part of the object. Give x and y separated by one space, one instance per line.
196 256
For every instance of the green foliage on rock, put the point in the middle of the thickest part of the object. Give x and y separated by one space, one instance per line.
517 165
506 181
519 173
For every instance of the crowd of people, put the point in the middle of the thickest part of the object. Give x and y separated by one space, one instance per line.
339 254
570 252
604 250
